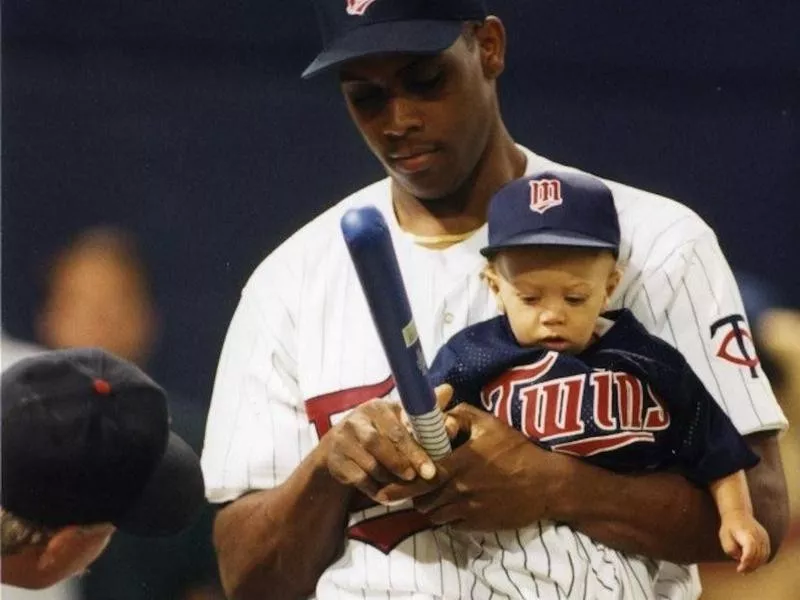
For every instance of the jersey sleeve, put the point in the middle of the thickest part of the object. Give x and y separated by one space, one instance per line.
691 300
707 445
256 419
445 368
442 366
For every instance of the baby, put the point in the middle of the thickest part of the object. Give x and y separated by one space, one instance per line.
579 380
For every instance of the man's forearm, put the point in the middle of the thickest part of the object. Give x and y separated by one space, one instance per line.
662 515
276 543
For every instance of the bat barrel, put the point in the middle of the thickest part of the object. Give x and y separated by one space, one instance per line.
370 244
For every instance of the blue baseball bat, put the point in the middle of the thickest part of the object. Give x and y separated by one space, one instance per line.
370 245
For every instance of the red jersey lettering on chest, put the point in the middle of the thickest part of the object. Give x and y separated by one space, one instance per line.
386 531
623 409
552 410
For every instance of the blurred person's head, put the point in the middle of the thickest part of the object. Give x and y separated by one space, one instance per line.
97 293
776 337
86 449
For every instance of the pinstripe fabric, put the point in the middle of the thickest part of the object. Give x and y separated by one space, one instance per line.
302 331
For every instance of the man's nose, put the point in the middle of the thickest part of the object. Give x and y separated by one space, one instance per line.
403 118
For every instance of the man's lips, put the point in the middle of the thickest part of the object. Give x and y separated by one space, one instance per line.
412 161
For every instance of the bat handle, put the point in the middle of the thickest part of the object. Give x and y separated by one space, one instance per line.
431 433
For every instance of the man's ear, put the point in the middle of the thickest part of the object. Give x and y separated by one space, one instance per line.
491 38
58 546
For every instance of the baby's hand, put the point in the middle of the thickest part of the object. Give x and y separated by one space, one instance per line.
744 539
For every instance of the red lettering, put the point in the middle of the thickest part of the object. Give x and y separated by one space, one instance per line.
320 409
606 443
502 388
656 418
603 409
629 400
384 531
553 409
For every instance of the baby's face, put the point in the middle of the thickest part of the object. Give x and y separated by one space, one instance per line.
552 296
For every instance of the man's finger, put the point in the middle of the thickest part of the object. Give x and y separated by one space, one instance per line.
421 463
349 473
444 394
388 444
395 492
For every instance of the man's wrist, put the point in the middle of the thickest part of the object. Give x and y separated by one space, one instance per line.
319 478
561 488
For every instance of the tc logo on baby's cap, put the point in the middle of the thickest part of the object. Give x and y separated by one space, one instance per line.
545 194
358 7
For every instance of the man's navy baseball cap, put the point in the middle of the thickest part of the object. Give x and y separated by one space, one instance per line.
86 439
553 208
357 28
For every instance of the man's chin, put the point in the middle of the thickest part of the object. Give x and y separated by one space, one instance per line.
438 198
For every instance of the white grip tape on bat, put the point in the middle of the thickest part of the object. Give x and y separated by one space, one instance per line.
431 433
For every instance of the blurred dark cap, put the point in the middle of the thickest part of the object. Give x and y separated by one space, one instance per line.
86 439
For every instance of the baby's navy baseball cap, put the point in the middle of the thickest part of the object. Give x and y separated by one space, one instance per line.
86 439
553 208
357 28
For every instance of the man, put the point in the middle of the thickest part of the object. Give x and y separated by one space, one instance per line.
13 350
86 450
298 416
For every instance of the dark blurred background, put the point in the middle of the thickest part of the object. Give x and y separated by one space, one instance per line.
186 123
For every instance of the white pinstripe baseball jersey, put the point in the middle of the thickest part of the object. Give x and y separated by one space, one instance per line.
301 351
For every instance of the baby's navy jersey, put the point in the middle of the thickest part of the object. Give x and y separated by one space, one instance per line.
629 402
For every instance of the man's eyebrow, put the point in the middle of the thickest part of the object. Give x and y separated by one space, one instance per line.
346 77
411 65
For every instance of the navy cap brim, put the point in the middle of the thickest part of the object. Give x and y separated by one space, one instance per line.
549 238
173 497
387 37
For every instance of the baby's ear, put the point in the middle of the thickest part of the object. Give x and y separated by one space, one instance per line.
492 278
613 281
490 275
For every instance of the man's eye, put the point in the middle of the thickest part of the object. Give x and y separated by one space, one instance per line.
368 98
424 84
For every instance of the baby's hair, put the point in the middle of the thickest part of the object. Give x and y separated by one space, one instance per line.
19 533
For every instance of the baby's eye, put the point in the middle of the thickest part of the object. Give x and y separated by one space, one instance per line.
530 299
576 300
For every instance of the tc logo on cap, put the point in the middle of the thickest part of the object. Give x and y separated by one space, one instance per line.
358 7
545 194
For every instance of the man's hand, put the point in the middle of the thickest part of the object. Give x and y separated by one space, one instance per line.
494 480
371 448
